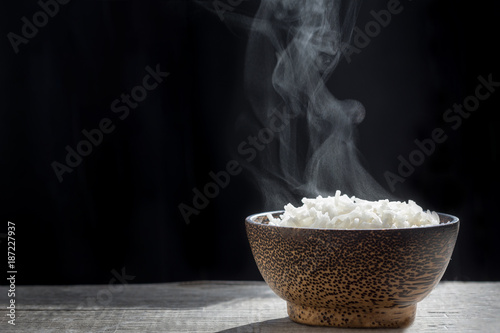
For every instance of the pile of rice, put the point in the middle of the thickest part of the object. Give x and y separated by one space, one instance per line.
343 212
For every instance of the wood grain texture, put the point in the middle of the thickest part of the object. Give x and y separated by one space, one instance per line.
215 306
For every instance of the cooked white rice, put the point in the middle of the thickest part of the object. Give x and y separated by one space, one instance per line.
343 212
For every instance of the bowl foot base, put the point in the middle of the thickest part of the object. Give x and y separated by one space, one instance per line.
353 317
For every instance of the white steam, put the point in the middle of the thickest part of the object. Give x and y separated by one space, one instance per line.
293 48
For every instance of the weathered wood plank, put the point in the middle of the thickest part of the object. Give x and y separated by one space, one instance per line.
215 306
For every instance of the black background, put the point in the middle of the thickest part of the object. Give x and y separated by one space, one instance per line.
119 208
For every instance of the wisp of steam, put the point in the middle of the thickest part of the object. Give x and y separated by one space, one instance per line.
293 49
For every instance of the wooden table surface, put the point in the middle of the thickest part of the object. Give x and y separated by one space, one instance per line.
221 306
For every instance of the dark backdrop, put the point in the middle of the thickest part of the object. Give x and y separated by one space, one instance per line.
119 208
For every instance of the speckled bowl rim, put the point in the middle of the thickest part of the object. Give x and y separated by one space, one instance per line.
250 219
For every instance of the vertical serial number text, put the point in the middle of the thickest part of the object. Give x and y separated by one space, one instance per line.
11 271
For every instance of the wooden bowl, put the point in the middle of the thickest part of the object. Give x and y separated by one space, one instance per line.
352 278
